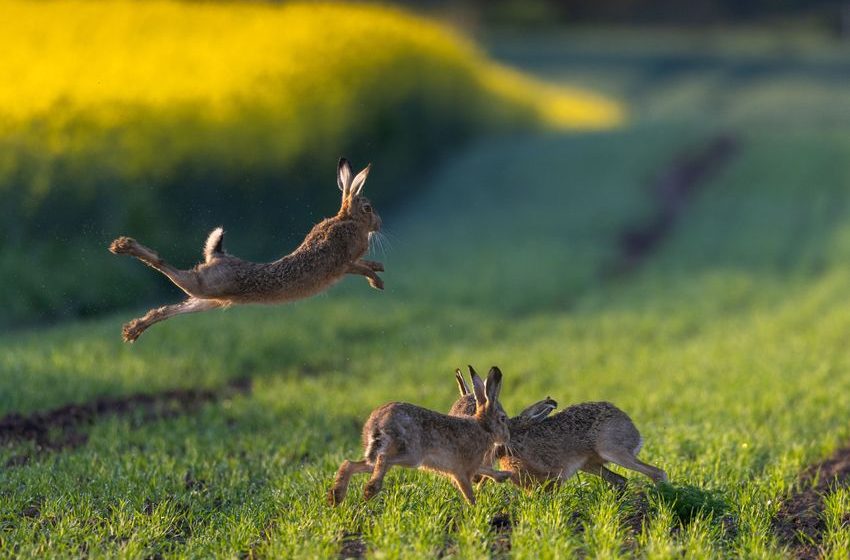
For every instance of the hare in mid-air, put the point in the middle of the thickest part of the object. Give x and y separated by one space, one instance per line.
583 437
332 249
401 434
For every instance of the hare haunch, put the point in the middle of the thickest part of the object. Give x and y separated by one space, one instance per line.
583 437
332 249
401 434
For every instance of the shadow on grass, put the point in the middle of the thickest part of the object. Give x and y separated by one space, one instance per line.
688 502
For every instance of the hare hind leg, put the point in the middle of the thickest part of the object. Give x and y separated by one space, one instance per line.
376 482
136 327
597 468
186 280
626 459
343 476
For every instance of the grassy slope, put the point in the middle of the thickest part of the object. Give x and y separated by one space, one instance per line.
727 348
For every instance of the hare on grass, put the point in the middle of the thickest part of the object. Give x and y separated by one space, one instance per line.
583 437
332 249
411 436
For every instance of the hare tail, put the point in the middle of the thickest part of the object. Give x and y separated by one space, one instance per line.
214 243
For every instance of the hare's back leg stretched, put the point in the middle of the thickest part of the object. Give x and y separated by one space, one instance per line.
625 458
597 466
343 476
186 280
136 327
383 462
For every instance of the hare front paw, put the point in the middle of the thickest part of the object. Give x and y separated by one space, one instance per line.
502 476
376 282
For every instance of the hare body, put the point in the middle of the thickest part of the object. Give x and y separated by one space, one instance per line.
332 249
583 437
406 435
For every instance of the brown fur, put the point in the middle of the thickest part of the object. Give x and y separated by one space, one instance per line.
406 435
583 437
332 249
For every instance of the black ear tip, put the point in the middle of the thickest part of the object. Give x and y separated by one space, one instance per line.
458 372
471 370
342 162
496 372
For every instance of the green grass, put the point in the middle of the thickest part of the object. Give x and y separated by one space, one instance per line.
727 348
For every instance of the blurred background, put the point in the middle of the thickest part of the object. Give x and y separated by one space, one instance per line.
162 120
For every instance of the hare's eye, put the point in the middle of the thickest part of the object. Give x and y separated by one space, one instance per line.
367 208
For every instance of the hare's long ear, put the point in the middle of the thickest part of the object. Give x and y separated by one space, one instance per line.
493 385
343 177
359 181
461 383
539 410
478 388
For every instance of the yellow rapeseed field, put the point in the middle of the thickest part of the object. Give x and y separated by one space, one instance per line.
88 54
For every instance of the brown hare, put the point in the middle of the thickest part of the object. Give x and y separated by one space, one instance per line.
333 248
584 436
411 436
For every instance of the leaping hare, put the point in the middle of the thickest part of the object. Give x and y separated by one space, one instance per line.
332 249
583 436
410 436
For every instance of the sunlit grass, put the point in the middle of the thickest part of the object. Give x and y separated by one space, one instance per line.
733 368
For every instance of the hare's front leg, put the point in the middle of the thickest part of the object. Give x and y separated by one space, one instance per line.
374 265
494 475
363 270
463 483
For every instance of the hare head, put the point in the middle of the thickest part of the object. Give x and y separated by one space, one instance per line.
488 411
465 406
355 206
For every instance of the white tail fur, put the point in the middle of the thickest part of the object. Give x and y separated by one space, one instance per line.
213 244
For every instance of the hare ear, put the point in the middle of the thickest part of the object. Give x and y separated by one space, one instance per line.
539 410
478 388
461 383
359 181
343 176
493 384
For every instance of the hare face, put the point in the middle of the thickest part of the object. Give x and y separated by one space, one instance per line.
496 423
361 209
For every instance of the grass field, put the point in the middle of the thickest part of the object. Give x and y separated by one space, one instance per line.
727 346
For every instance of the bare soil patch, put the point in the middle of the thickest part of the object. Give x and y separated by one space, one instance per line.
502 527
672 189
60 428
799 524
352 546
